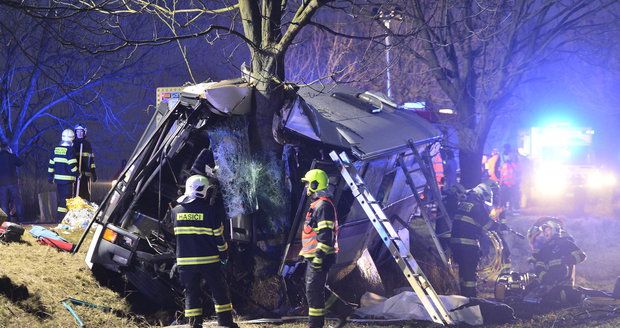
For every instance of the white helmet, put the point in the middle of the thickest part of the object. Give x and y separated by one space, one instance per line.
196 186
67 137
80 126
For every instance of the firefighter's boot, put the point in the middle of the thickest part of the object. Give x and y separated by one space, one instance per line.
225 319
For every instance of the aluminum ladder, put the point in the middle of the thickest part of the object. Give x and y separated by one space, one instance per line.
408 265
430 190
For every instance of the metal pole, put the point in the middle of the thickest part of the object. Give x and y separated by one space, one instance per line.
388 43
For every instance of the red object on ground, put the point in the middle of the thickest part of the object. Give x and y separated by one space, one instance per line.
58 244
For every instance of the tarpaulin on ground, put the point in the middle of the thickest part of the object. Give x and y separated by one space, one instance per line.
48 237
407 306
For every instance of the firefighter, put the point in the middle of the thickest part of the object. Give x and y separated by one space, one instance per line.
86 161
470 221
63 171
319 247
492 165
554 256
201 251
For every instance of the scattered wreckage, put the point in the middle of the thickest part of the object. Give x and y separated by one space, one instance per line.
385 151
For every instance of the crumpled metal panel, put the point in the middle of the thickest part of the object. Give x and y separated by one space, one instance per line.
346 125
228 97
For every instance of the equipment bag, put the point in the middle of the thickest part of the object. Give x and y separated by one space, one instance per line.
10 232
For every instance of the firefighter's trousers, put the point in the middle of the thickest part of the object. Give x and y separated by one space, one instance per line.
64 190
316 290
84 191
190 277
467 257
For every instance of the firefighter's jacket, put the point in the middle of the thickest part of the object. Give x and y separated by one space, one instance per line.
87 165
319 237
62 168
555 260
470 221
199 234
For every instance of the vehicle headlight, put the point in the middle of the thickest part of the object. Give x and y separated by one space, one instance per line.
597 179
551 182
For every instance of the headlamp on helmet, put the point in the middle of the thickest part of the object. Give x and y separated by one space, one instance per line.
316 180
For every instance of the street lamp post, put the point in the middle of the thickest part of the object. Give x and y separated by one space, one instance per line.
386 17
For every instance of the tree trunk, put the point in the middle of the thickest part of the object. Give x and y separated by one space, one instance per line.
269 97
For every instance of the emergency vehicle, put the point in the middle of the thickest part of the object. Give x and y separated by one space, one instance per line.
560 166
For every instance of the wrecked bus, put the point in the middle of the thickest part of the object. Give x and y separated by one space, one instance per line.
203 129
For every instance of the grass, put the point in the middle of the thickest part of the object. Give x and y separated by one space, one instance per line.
49 277
35 278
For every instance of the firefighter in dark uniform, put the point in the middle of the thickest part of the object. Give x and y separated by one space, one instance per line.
319 247
86 161
201 251
470 221
63 171
554 256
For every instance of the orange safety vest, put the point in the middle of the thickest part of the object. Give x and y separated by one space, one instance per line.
438 168
507 177
309 234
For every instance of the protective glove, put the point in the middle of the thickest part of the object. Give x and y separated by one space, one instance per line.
317 264
224 258
94 176
50 181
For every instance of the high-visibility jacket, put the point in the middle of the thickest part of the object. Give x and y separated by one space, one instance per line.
508 174
491 167
438 168
199 234
62 166
470 221
87 165
319 237
555 260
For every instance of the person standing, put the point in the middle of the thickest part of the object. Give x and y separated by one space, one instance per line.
9 187
319 240
492 165
201 251
63 171
86 161
470 221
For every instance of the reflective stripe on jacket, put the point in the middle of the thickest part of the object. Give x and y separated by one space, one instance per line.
87 167
199 234
320 230
62 166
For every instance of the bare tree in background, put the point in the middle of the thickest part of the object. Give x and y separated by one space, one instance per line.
45 86
478 53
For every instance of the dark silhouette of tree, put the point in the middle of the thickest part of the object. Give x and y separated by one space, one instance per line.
45 86
480 52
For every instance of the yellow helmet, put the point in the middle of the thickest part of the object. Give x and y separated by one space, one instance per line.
316 179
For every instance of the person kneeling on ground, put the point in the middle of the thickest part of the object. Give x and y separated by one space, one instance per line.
554 256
